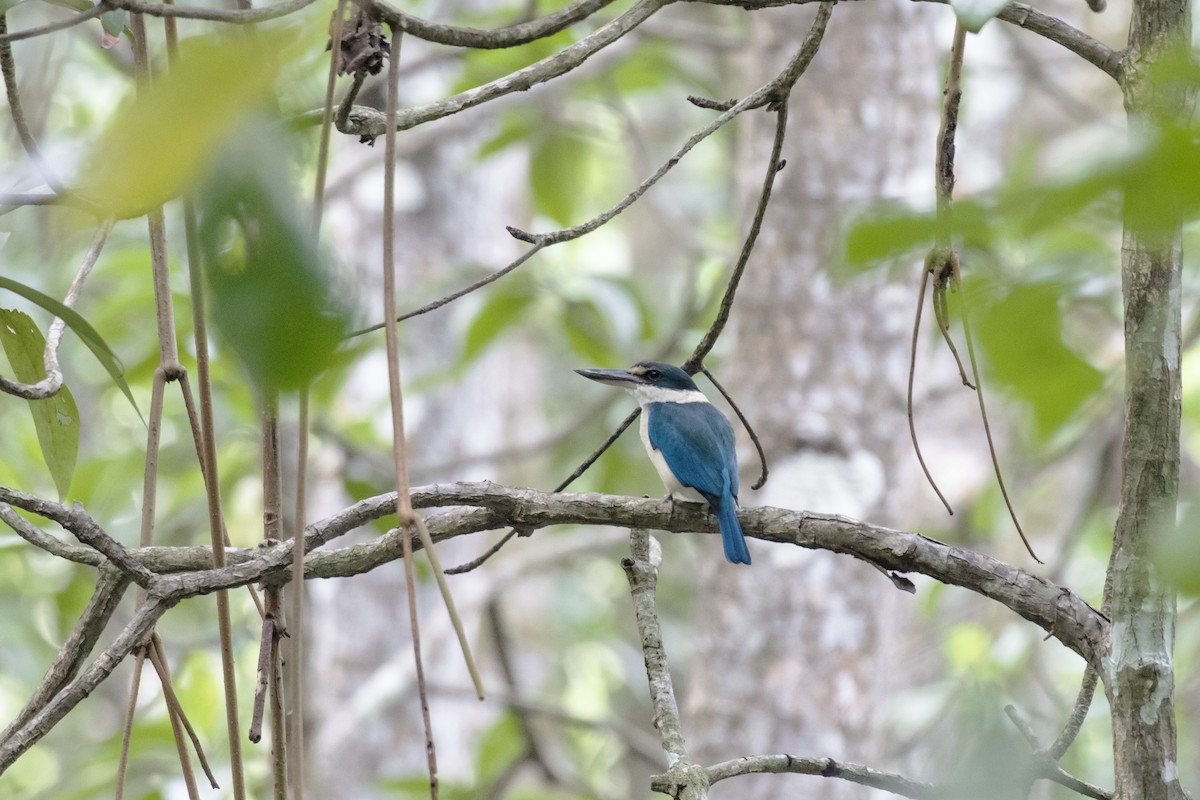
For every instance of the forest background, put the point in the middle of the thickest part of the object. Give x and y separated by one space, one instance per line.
786 253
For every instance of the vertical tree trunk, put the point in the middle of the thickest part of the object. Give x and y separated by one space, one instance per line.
1141 681
793 653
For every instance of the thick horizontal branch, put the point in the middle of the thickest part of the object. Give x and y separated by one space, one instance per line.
1061 613
475 38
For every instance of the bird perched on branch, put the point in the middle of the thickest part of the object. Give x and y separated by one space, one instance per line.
688 440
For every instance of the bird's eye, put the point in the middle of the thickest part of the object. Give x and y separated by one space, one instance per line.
653 374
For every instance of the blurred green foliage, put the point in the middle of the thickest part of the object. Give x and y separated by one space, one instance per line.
166 136
1039 254
274 298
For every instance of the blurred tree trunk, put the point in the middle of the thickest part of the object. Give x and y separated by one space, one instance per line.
797 653
1141 680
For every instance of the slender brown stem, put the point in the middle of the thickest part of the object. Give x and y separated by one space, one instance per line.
28 142
404 510
158 656
279 753
987 430
335 53
296 621
912 370
216 518
130 709
175 716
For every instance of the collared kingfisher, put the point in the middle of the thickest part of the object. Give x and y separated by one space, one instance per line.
688 440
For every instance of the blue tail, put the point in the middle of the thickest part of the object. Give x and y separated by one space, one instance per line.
731 530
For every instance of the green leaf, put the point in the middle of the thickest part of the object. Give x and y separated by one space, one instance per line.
167 137
1021 337
274 298
56 419
82 328
884 233
113 22
887 232
587 333
514 128
974 14
501 311
555 175
500 746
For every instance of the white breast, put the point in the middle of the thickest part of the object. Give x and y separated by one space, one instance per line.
674 488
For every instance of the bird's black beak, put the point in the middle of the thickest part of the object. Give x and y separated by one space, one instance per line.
612 377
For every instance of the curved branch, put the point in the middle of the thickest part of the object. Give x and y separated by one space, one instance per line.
135 634
110 588
1023 16
866 776
1094 52
478 39
244 16
825 767
1055 609
54 27
53 382
369 122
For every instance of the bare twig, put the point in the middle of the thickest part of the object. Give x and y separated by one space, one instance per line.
266 658
240 16
684 779
1079 712
9 70
450 298
110 588
478 562
80 524
912 370
826 767
135 685
987 429
762 456
943 186
54 27
508 36
134 635
158 655
1045 767
176 718
371 123
1024 16
44 541
49 386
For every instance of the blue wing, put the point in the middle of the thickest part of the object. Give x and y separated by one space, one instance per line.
697 442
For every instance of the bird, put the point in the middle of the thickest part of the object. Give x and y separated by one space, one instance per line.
689 441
